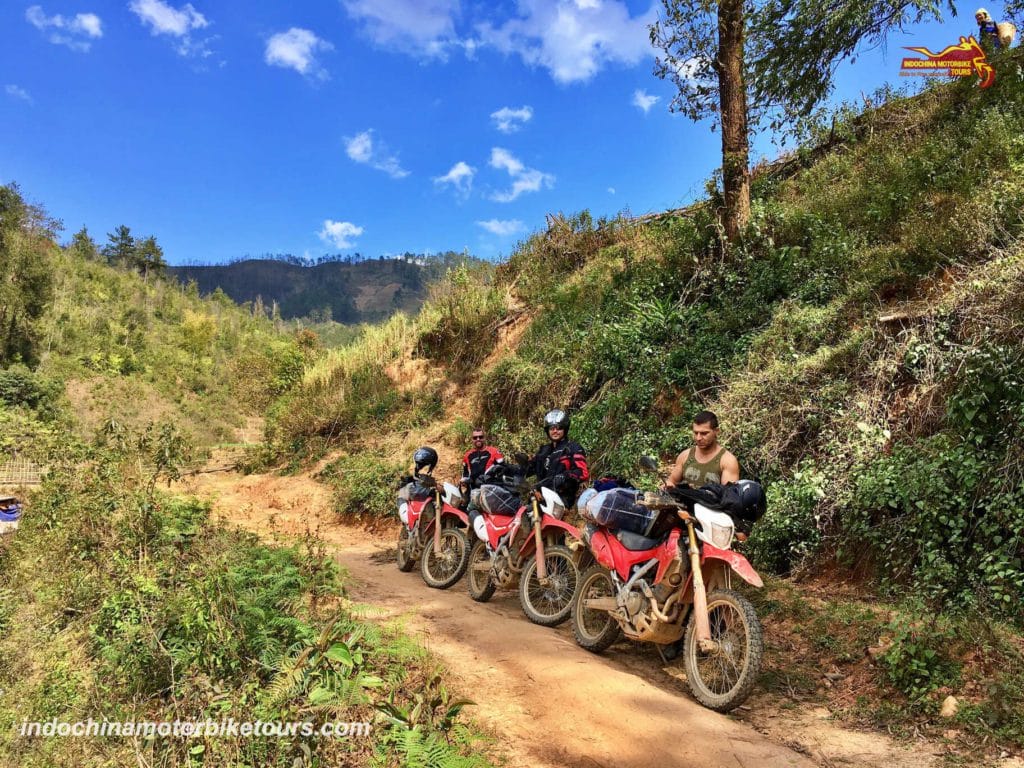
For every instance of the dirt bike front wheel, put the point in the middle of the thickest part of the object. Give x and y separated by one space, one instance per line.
549 604
405 560
478 577
722 679
594 628
442 569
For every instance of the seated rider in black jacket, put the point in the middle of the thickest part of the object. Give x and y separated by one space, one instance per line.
560 464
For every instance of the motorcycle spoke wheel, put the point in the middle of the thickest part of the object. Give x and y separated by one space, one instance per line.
442 569
594 629
405 561
722 679
549 604
481 587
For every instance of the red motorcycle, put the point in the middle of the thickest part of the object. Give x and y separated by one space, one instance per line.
528 543
680 583
442 549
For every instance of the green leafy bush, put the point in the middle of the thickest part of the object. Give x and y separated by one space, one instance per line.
365 485
919 659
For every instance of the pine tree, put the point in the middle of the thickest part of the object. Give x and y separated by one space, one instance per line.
120 248
149 257
84 246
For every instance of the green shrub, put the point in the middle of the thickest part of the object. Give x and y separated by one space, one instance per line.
919 659
458 325
789 530
365 485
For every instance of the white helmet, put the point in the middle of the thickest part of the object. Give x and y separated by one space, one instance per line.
983 13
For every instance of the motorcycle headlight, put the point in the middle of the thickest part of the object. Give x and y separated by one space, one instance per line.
721 536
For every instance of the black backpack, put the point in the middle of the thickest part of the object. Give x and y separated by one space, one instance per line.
744 501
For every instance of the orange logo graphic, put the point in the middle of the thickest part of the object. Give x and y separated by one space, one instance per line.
962 60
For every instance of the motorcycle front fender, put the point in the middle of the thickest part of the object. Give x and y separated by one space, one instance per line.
549 524
734 560
448 509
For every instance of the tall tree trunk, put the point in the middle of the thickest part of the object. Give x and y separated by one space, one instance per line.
732 96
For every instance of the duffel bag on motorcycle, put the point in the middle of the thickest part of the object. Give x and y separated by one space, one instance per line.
499 500
617 509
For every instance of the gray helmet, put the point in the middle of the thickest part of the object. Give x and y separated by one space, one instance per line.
556 418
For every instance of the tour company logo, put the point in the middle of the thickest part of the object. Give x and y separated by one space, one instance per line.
964 59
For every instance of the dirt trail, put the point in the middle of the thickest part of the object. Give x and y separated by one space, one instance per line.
549 702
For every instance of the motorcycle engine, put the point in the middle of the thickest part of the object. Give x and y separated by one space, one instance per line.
634 603
501 573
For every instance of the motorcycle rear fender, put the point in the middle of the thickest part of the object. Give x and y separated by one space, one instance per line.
734 560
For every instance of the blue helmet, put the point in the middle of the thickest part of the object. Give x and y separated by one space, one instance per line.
425 457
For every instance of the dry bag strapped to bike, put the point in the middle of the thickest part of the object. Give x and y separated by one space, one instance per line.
499 500
617 508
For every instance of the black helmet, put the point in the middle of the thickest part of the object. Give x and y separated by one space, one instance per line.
556 418
425 457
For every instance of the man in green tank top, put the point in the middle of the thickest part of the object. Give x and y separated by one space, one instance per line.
706 461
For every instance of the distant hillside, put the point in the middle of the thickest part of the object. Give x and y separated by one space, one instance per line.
344 291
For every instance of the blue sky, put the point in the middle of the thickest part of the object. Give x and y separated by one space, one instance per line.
372 126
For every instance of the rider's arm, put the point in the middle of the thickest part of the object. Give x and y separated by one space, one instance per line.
495 455
730 468
576 464
676 475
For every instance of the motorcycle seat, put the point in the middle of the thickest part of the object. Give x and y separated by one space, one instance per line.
634 542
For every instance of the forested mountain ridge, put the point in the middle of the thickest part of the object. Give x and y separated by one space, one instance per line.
343 290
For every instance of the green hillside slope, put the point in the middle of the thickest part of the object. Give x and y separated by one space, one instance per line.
121 602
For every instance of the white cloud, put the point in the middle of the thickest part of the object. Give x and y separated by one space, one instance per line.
460 176
178 23
573 39
340 234
296 49
363 149
644 100
508 120
17 92
422 27
76 33
502 228
523 179
611 190
163 19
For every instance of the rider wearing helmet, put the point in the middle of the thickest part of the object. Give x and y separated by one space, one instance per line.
560 464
